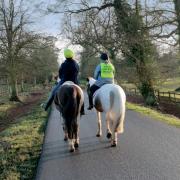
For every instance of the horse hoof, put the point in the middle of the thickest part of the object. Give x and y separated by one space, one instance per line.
65 138
72 150
113 145
76 145
98 135
108 135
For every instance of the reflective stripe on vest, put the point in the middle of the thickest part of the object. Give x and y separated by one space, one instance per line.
107 70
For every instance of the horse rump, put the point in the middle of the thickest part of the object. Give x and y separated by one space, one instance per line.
68 102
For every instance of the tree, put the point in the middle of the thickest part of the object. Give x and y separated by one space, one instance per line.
13 39
137 47
177 9
96 33
42 62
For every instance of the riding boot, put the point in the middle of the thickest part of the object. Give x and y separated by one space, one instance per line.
82 112
90 102
49 103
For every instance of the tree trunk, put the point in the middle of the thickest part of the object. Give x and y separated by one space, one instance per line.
13 85
177 9
145 85
35 81
22 83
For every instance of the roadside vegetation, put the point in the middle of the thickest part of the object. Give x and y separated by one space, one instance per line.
169 119
20 145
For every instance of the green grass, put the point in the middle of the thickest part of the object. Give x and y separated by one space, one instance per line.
169 119
168 85
20 146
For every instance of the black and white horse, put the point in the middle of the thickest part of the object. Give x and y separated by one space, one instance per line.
69 101
110 98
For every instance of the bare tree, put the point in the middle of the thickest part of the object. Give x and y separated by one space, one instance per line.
13 39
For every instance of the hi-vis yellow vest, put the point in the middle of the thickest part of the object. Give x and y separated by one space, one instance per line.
107 70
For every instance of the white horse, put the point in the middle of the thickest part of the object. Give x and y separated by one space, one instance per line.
110 98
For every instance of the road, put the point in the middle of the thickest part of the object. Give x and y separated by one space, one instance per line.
148 150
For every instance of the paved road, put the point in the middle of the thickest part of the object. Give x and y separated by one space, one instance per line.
148 150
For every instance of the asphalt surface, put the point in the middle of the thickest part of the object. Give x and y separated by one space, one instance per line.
147 150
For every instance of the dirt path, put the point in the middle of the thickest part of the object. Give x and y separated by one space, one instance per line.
21 109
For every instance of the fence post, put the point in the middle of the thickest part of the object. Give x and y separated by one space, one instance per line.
169 95
158 95
174 97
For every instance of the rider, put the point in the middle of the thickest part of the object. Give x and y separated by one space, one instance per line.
104 74
68 71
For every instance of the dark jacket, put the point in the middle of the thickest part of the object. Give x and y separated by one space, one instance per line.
69 71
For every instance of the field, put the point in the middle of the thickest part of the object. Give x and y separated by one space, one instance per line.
166 90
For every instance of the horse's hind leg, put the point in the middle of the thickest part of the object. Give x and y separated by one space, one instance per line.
115 124
99 133
114 139
71 145
109 134
65 132
76 142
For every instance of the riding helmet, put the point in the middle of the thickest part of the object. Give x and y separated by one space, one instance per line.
68 53
104 56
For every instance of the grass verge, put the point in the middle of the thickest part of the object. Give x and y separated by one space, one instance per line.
169 119
20 146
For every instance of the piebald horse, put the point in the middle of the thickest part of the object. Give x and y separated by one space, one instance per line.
110 98
69 100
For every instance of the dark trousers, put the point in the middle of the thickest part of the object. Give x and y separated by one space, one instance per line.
91 90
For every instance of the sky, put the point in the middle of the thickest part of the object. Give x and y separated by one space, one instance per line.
44 23
50 24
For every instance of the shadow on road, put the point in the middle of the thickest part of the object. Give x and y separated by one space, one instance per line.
59 150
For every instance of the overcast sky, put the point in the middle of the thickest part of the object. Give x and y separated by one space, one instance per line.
50 24
44 23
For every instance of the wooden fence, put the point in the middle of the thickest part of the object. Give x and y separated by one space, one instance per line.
169 96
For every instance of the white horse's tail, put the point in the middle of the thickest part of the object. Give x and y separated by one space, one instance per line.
117 104
120 126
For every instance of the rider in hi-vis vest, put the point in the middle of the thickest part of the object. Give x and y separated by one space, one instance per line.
107 70
104 74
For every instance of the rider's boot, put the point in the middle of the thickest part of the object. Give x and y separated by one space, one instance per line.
90 102
48 103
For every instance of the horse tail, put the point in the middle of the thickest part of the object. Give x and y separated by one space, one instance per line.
70 112
117 106
120 122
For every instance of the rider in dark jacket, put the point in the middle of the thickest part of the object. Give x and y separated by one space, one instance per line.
68 71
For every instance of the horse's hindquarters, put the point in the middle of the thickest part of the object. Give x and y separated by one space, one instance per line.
69 100
111 98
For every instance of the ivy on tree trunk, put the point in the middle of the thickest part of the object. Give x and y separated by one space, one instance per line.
137 48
